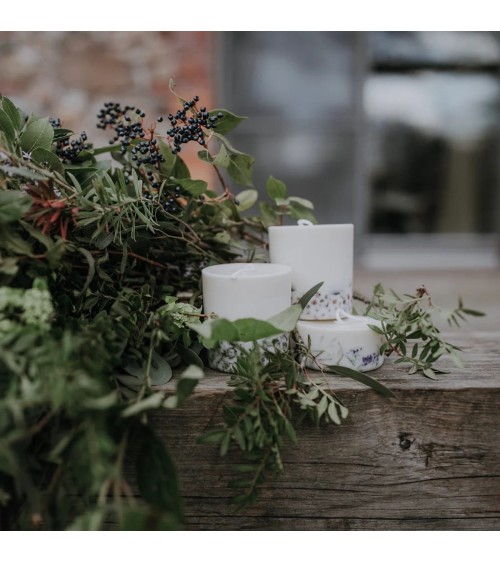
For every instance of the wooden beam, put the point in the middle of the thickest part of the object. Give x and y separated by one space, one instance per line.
426 460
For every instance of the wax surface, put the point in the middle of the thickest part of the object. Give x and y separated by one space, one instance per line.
317 253
235 291
348 342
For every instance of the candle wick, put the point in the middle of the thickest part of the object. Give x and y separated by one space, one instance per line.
341 315
304 223
246 268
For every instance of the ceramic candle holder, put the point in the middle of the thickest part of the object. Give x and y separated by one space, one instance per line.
348 342
236 291
317 253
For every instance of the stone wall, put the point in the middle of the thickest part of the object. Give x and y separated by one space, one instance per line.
71 74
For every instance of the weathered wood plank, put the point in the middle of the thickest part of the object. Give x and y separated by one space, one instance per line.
429 459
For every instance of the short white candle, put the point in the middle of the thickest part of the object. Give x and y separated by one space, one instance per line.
236 291
348 342
317 253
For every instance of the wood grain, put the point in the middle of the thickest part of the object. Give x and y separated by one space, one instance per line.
427 460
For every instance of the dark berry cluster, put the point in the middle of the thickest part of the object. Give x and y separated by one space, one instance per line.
170 203
129 131
188 124
55 122
68 150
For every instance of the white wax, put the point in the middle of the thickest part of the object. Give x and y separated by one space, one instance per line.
348 342
235 291
317 253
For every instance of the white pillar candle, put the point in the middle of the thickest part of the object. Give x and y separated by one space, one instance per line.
317 253
236 291
347 342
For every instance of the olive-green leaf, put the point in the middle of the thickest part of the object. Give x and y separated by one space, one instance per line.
275 188
302 201
298 211
227 122
157 475
160 370
240 168
39 133
151 402
333 414
362 378
246 199
13 112
194 187
269 215
45 157
13 205
6 126
22 172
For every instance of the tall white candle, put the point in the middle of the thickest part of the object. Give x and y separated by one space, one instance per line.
317 253
236 291
347 342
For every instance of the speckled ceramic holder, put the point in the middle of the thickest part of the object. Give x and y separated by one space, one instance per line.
317 253
225 355
348 342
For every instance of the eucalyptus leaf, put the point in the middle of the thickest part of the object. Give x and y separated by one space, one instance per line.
160 372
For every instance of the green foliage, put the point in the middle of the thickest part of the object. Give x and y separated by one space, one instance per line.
100 303
410 331
100 307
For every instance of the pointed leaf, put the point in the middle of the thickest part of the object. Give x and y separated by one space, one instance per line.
13 113
275 188
156 474
7 127
246 199
13 205
39 133
194 187
333 414
43 156
241 168
362 378
227 122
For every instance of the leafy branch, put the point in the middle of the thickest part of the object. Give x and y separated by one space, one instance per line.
409 328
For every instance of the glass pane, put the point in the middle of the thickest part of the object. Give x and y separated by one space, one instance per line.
433 151
297 89
461 48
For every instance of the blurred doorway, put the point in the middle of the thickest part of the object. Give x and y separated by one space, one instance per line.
397 132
